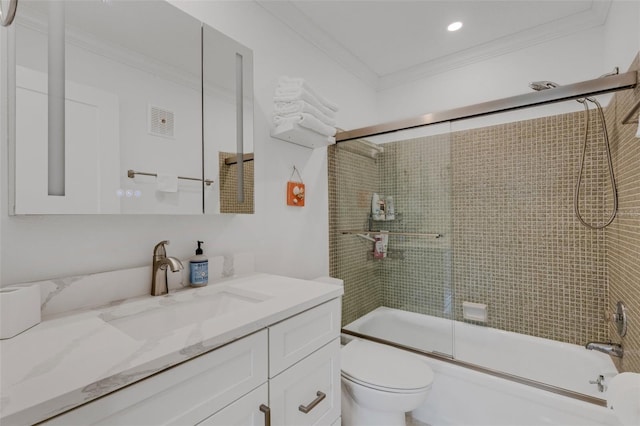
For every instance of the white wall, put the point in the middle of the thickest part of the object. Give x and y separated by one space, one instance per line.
286 240
621 35
561 60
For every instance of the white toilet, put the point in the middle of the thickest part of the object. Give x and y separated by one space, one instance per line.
380 384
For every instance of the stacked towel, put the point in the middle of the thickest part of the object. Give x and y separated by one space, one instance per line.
296 102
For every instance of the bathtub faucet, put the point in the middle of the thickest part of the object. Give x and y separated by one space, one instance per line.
609 348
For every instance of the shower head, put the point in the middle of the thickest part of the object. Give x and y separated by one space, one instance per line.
542 85
545 84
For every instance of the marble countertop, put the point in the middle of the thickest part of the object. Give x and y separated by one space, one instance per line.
74 358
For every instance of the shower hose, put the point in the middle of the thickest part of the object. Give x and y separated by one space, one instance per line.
576 206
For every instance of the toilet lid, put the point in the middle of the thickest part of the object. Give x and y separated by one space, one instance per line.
384 367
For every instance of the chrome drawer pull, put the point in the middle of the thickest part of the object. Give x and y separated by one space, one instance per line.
267 414
312 405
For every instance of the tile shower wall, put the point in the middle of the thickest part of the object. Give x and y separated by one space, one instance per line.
502 196
518 246
623 236
228 177
353 177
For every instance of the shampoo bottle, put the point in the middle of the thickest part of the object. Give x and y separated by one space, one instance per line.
390 208
375 206
378 249
199 268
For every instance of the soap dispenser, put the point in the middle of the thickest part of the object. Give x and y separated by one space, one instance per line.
198 268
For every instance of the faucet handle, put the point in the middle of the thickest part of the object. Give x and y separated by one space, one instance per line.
160 246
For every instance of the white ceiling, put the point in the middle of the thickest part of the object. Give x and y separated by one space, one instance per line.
390 42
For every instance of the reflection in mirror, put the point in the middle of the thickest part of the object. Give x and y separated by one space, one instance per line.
228 123
132 74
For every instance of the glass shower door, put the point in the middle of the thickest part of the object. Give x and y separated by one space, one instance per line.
405 294
536 276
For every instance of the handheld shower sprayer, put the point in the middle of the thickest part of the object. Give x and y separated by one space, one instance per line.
544 85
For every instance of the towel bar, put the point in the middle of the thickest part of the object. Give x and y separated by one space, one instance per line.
132 173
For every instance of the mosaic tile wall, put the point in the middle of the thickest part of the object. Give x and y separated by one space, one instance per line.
229 184
623 236
353 177
517 245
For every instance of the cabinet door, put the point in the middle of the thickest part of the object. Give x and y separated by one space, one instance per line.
243 412
183 395
301 388
296 337
228 123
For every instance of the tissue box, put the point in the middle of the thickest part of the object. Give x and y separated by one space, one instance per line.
19 310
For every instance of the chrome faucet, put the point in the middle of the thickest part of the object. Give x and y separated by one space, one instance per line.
160 263
608 348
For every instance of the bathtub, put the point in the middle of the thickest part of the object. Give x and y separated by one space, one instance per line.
555 364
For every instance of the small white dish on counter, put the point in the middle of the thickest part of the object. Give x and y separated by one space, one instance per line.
19 310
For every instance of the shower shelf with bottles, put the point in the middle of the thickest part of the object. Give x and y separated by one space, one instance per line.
391 254
375 223
373 230
367 233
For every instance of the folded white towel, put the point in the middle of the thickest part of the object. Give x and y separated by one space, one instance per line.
301 95
306 108
166 183
290 84
308 121
302 106
323 119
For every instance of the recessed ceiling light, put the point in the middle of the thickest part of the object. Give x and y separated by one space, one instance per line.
455 26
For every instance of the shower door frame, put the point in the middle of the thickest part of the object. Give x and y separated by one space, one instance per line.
598 86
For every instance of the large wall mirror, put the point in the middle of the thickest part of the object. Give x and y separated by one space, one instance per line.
109 111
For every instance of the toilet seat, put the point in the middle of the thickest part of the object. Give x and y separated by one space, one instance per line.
382 388
384 368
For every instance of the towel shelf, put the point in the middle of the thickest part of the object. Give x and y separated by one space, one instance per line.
132 173
294 133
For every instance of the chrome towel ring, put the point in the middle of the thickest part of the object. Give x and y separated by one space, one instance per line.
7 19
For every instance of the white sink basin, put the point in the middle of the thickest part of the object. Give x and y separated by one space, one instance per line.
166 319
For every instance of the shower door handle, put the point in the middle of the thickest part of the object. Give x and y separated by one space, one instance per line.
312 405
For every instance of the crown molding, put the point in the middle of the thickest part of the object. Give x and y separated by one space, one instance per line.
297 21
563 27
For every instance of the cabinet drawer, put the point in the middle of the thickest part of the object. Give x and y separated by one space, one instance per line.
303 384
296 337
243 412
185 394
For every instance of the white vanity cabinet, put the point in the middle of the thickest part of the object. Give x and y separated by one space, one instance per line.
304 367
286 374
